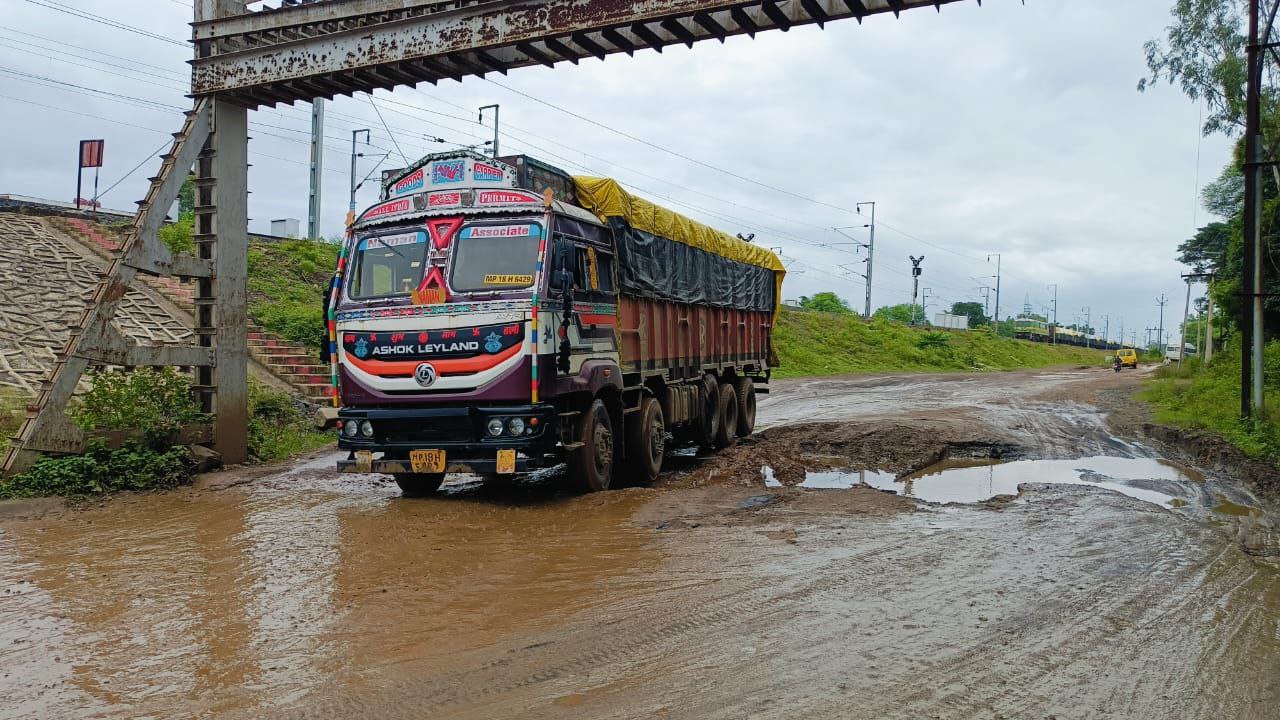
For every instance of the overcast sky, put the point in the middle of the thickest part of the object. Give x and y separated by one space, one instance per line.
1007 128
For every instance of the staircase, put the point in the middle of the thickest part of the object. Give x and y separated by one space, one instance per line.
297 365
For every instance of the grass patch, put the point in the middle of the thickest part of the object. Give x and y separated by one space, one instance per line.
1207 397
816 343
278 427
287 282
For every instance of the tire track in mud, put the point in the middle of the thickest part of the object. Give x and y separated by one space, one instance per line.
490 680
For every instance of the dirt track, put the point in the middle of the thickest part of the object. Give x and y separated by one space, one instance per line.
304 594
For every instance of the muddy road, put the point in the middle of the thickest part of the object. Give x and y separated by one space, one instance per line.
890 547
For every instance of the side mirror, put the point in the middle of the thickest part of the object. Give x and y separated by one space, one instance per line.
561 274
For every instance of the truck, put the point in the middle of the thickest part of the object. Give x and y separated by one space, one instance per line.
498 316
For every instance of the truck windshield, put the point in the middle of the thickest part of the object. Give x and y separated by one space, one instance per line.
495 257
388 265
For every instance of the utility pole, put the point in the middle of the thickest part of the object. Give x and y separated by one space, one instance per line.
870 245
1106 329
1054 336
494 108
1121 329
351 207
1182 333
997 290
871 250
915 283
1251 308
924 304
1161 301
317 167
1208 326
1088 328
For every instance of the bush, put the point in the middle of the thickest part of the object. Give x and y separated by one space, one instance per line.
278 427
155 401
135 466
933 340
287 282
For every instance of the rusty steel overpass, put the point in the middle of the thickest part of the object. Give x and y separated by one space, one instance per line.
301 51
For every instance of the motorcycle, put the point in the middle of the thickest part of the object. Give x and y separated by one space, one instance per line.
1116 364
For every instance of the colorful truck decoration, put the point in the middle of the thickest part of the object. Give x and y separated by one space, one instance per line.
483 320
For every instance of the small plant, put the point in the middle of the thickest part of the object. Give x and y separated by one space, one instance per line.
933 340
135 466
180 236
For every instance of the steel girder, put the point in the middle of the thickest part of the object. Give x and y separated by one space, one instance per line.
340 47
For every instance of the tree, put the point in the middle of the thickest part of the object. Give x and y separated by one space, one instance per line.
1206 251
1203 54
903 313
826 302
976 313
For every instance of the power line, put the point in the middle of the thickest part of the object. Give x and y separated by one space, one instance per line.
60 42
85 15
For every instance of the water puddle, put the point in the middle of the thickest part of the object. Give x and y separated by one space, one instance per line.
1153 480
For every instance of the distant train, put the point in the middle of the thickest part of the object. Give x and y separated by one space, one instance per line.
1037 330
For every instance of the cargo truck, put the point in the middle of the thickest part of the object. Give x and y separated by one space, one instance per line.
499 316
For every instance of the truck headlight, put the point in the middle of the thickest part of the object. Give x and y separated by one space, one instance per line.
366 429
495 427
350 428
515 426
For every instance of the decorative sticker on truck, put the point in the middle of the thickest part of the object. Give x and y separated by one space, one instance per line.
415 180
391 241
433 344
444 199
448 172
501 231
486 173
506 197
393 207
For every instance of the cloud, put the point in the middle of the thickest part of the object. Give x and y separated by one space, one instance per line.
1004 129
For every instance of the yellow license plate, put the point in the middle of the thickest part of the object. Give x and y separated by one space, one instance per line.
506 462
427 461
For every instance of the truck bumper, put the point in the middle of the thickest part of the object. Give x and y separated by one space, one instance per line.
459 431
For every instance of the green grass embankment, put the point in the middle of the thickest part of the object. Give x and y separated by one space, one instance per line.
814 343
1207 397
287 282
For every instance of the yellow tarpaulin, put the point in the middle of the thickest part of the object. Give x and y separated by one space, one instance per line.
606 198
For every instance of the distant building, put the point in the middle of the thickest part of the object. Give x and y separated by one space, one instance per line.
951 322
286 227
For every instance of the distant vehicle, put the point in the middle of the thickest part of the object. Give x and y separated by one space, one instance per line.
1036 329
1171 353
1128 357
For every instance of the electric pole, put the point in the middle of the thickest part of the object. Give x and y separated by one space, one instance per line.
1208 324
1087 311
1054 336
870 245
494 108
915 283
924 304
997 290
1251 399
317 167
351 207
1161 301
871 250
1106 329
1182 333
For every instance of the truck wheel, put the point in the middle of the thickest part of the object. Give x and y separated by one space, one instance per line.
728 430
418 485
646 442
591 466
746 406
709 424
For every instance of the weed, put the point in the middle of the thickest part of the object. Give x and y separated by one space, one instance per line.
278 427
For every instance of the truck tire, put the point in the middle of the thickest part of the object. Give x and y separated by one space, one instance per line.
415 485
646 442
591 466
709 423
727 433
746 406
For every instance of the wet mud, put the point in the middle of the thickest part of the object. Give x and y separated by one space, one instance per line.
891 547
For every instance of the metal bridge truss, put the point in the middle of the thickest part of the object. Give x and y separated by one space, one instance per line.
308 50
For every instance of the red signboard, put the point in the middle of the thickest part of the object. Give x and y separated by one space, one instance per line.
506 197
91 153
